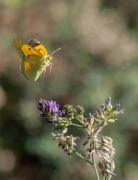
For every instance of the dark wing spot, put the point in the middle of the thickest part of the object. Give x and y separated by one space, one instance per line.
29 48
39 49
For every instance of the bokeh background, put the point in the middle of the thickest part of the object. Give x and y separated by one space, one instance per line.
98 59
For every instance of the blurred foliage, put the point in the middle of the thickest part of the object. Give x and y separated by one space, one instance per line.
98 59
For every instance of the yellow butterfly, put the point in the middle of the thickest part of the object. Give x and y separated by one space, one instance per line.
35 58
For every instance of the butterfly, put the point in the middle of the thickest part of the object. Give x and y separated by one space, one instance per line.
35 58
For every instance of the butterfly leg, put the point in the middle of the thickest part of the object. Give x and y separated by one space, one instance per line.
50 64
44 72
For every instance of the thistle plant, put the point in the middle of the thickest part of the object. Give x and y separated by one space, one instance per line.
92 125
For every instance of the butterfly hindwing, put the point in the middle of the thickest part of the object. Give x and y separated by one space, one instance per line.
32 66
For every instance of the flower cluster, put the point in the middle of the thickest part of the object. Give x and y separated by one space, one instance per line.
61 119
107 113
92 125
66 142
103 148
106 154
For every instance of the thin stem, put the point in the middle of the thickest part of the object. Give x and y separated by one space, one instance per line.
82 122
78 154
104 178
95 168
77 125
109 177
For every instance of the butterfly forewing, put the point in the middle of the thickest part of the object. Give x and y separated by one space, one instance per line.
39 47
24 49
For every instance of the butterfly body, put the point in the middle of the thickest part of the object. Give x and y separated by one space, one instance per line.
34 58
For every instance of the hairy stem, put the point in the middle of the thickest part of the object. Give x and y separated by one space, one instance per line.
95 168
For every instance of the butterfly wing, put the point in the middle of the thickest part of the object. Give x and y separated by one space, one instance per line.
24 49
32 66
41 49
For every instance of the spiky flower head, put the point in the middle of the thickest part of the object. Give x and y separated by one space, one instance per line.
50 110
104 147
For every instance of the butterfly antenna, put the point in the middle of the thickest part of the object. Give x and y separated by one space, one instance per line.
55 51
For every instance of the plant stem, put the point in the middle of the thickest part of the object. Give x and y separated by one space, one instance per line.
78 154
109 177
95 167
77 125
82 157
104 178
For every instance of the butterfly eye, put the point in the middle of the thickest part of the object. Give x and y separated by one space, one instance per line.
29 48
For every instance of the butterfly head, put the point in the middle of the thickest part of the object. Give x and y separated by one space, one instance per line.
49 57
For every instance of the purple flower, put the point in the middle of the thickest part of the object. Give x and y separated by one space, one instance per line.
121 111
50 121
108 101
79 110
40 105
48 107
51 106
42 114
118 104
63 113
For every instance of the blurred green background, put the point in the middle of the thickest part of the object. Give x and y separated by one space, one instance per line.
98 59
